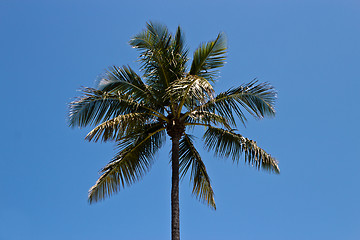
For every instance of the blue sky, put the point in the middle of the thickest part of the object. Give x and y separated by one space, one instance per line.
308 50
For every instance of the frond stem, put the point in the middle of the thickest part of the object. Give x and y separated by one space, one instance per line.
184 98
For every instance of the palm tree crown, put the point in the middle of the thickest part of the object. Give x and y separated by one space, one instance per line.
170 98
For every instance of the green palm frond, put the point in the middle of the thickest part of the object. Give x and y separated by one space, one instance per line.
154 45
180 50
96 106
131 163
209 57
179 55
155 37
120 126
230 144
124 80
257 98
225 108
190 157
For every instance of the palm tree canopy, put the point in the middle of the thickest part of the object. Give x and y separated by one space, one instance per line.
172 96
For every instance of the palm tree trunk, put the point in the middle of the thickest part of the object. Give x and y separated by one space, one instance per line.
175 211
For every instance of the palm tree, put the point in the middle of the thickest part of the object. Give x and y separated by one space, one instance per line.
170 98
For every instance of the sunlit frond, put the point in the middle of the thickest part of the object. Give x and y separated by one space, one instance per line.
207 118
130 164
190 157
209 57
230 144
190 91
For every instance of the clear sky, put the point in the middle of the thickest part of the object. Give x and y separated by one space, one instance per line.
308 50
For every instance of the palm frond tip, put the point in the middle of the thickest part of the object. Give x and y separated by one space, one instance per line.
227 143
190 157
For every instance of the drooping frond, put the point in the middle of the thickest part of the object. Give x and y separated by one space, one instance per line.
190 91
190 157
209 57
230 144
120 126
131 163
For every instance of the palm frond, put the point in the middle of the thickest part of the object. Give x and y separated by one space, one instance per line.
209 57
130 164
179 55
206 118
124 80
257 98
156 36
219 106
154 45
120 126
179 49
226 106
230 144
163 57
190 91
190 157
96 106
